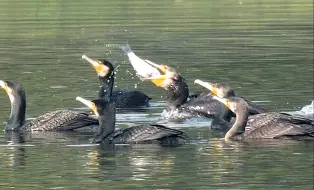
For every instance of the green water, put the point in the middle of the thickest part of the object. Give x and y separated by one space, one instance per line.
263 49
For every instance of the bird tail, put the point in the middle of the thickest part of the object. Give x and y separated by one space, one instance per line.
126 48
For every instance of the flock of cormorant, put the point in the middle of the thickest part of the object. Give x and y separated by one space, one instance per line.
240 118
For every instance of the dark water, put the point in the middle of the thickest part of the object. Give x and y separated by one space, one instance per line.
264 49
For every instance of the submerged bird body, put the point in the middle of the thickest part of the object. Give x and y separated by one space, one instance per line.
52 121
122 98
206 106
278 125
147 134
130 99
266 125
60 120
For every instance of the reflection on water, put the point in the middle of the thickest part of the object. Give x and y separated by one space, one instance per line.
215 164
263 49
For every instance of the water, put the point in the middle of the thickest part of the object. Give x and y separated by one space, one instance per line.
264 49
307 111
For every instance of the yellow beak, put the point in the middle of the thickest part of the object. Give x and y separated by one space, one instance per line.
211 87
158 80
223 100
8 90
100 68
89 104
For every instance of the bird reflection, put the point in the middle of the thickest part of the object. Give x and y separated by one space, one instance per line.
136 162
101 156
14 153
14 137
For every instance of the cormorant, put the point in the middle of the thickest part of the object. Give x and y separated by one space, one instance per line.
122 99
59 120
270 125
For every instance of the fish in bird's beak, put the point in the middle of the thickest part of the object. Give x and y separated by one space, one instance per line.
160 75
143 68
8 90
210 86
165 78
148 70
101 69
224 101
89 104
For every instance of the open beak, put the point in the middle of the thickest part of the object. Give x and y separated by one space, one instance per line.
210 86
223 100
8 90
160 67
158 80
89 104
100 68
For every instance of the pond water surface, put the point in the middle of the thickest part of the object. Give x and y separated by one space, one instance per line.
263 49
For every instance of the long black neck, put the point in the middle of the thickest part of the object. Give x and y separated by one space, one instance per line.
178 93
106 86
107 122
17 116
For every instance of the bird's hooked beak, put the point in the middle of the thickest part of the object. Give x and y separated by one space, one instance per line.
210 86
8 90
224 101
101 69
89 104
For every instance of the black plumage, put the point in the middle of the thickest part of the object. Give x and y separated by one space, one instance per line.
51 121
105 109
270 125
122 98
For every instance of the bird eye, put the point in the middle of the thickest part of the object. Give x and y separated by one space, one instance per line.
228 103
164 67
